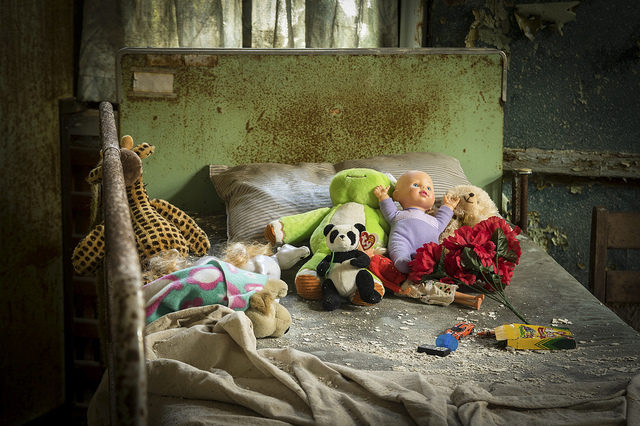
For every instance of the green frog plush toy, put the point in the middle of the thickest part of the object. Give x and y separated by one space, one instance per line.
353 200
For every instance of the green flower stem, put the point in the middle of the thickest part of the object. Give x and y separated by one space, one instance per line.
501 299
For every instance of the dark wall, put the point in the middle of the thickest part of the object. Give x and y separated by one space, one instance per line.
36 69
574 86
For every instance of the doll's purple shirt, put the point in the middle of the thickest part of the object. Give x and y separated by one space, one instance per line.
411 228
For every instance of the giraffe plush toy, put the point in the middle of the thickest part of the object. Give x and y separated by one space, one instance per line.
158 225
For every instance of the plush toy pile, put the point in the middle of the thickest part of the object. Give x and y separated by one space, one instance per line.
353 202
212 281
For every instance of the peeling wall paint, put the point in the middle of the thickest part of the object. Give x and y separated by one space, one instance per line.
573 84
545 236
533 17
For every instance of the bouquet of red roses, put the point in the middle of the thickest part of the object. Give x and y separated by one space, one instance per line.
481 257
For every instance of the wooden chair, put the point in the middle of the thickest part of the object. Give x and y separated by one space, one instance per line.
618 289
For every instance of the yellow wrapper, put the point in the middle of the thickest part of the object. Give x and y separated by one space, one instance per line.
526 336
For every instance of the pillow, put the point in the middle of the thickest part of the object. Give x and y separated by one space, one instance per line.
256 194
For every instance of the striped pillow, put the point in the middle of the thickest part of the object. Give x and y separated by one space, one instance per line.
256 194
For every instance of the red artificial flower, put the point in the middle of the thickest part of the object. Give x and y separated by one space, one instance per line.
478 239
453 267
483 257
424 261
505 270
491 224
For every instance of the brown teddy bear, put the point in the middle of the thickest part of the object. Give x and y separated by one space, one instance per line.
475 206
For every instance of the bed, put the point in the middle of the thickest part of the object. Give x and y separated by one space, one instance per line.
250 120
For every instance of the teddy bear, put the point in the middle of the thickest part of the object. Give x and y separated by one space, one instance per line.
268 317
475 206
158 225
212 281
344 268
353 201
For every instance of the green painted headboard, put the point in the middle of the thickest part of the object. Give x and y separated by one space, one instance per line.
234 106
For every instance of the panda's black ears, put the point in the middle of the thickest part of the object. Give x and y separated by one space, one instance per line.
328 229
360 227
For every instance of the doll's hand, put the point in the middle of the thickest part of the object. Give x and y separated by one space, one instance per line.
450 202
381 192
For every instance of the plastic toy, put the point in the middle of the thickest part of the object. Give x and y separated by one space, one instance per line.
451 337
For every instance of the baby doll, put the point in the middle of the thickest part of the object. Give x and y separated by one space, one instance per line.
412 227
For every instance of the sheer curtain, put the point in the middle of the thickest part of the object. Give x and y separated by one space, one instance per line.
111 25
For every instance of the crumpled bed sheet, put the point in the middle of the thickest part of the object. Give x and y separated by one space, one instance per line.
204 368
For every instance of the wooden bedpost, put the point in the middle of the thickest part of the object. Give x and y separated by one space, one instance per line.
519 199
123 280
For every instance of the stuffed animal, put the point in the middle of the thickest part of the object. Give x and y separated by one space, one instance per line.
268 316
213 281
353 200
158 225
475 206
344 268
258 257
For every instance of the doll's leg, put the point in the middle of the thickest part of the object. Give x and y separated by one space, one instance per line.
468 299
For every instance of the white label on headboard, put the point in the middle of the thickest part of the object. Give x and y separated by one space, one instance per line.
153 83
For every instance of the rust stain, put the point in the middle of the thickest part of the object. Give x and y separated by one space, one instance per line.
161 60
201 60
304 131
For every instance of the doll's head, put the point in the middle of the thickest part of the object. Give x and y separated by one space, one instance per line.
414 189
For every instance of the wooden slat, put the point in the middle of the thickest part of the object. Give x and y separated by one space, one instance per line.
81 199
573 163
84 155
84 123
623 287
85 327
84 286
598 254
624 230
88 370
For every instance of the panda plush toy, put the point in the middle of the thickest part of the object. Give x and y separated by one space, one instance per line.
344 268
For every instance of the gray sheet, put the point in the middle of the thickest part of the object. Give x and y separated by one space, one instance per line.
385 337
359 364
213 373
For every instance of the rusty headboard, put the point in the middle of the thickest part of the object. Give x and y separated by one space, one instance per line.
234 106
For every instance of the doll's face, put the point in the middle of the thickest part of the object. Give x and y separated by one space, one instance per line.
414 189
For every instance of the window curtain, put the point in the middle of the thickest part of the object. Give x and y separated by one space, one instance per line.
111 25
